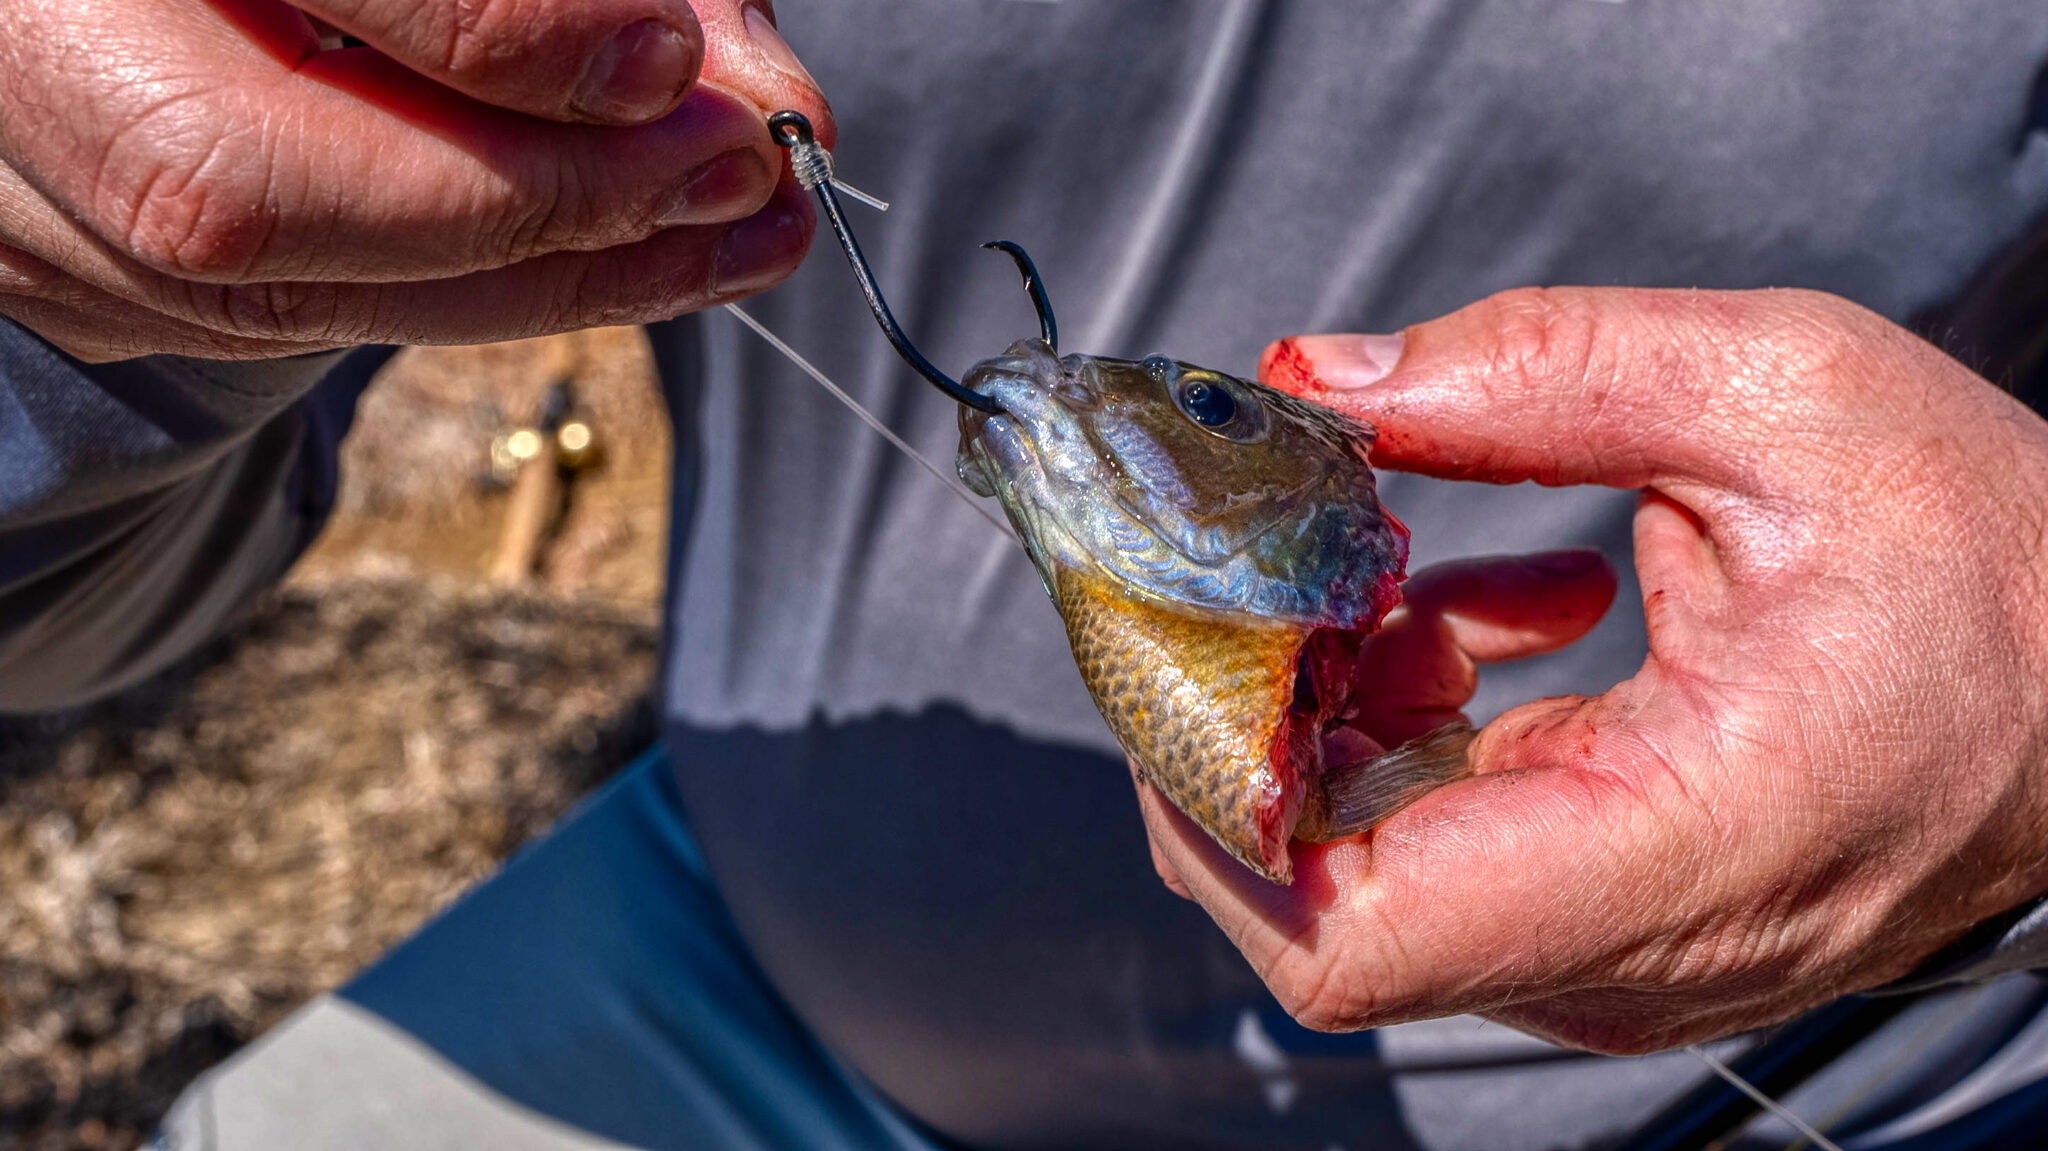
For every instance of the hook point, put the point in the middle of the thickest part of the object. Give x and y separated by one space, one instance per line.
1048 328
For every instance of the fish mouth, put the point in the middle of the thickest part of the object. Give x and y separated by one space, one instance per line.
993 447
1027 362
974 423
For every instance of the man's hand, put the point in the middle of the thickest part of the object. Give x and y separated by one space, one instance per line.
200 176
1833 761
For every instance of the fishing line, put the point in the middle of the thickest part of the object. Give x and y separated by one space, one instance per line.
1766 1102
875 202
980 506
1909 1047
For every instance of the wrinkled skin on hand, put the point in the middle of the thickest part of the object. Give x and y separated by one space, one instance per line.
1832 762
219 178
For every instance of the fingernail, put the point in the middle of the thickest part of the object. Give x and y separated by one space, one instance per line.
639 74
1564 565
773 47
759 251
1347 362
728 187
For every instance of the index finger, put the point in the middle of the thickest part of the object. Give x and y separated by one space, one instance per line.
210 159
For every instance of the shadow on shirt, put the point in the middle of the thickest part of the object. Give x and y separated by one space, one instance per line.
972 918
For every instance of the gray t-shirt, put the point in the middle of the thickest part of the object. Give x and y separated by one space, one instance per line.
922 826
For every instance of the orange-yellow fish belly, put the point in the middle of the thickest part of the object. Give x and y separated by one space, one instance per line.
1202 707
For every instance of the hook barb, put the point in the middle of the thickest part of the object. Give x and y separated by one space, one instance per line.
792 130
1048 328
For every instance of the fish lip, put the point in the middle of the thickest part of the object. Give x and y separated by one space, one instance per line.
974 422
991 431
1029 363
1033 363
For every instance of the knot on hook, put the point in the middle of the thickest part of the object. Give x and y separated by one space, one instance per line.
808 159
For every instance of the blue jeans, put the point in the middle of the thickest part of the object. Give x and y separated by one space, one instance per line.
594 990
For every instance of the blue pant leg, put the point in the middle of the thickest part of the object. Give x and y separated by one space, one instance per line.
599 981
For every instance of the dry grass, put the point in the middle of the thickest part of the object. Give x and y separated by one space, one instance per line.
187 863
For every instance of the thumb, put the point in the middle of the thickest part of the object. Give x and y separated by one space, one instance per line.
1620 387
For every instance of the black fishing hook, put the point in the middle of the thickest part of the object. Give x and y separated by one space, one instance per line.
1048 328
792 130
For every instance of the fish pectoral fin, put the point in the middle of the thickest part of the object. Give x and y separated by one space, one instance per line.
1361 795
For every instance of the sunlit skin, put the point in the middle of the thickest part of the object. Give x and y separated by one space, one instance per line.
1832 762
209 181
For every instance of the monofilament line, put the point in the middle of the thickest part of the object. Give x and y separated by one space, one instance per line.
980 507
1766 1102
812 165
875 202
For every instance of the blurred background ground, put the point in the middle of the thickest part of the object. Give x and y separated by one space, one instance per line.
182 866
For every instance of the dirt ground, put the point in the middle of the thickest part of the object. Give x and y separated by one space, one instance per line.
185 864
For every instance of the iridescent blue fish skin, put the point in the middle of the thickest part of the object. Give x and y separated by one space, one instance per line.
1268 509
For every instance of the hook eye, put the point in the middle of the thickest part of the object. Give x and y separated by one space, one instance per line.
791 128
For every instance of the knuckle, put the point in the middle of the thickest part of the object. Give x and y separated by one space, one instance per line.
1602 1023
565 215
1318 1015
1802 331
25 274
1837 351
555 214
189 195
476 36
582 300
199 233
1731 958
637 286
1542 335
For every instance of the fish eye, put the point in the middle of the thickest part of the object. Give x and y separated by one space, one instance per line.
1220 406
1207 404
1158 367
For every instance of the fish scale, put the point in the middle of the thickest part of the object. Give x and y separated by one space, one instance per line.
1197 704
